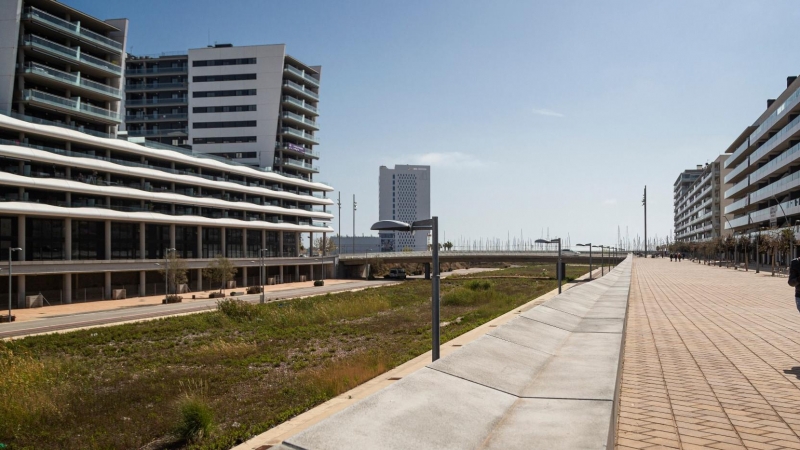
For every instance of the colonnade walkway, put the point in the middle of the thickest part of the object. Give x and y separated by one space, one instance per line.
712 359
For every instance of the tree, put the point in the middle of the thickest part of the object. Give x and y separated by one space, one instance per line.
174 269
327 243
744 244
448 245
785 241
729 243
220 270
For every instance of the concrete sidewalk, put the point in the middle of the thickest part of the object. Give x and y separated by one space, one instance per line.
712 360
297 424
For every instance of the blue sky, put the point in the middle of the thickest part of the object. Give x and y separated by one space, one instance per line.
534 115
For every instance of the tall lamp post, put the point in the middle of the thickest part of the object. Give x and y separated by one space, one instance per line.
10 279
339 203
431 224
262 272
558 267
354 223
166 270
590 257
602 259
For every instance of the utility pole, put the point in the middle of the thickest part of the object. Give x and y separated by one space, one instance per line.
339 202
354 223
644 203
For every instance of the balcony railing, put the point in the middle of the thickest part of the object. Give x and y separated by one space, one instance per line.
299 133
742 148
296 148
301 89
154 86
299 118
40 16
777 114
69 53
789 156
737 187
301 164
737 205
739 169
775 188
155 117
300 103
70 78
68 103
302 74
155 101
778 138
159 132
156 70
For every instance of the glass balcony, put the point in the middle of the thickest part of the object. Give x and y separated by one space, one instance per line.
156 101
737 187
155 86
287 146
782 160
300 164
300 103
736 154
300 119
790 128
73 79
737 205
40 16
777 114
299 134
156 117
70 104
156 70
70 53
776 188
159 132
306 77
101 64
301 89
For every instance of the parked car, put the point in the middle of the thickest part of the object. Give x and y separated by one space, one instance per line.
399 274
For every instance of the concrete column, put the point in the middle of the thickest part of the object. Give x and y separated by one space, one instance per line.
263 240
310 244
297 242
280 275
199 286
108 243
324 244
20 291
21 239
66 288
142 229
222 239
296 273
244 277
107 285
199 244
172 235
68 240
280 249
142 283
427 271
244 243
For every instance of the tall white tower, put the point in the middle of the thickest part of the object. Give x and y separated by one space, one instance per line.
405 195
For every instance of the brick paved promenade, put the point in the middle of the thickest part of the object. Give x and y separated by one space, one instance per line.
712 360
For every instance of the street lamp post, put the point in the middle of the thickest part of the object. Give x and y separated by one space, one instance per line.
431 224
354 223
10 279
166 270
558 267
262 273
603 261
590 257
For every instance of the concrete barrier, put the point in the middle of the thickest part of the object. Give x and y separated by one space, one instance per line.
548 379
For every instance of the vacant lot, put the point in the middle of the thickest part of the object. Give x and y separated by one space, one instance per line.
253 366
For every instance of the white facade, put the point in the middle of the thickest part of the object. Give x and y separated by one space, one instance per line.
405 195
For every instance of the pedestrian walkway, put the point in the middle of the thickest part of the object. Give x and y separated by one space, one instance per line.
712 360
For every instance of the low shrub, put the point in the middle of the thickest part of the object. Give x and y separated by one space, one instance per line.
478 285
254 290
319 283
173 299
195 420
238 310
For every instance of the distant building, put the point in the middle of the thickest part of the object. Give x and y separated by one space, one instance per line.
699 202
404 195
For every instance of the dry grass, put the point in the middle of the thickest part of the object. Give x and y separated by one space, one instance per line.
253 366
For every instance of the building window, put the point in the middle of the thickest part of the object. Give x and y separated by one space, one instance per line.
88 240
223 62
212 242
289 244
124 240
186 242
230 77
224 140
272 244
8 235
219 109
253 243
228 124
233 243
231 93
44 240
156 241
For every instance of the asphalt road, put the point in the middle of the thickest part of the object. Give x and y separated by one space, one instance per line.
113 316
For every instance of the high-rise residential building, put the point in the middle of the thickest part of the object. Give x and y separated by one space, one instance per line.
61 65
699 202
156 97
763 163
255 105
95 211
404 195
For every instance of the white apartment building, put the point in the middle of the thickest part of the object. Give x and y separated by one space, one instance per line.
699 202
404 195
255 105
